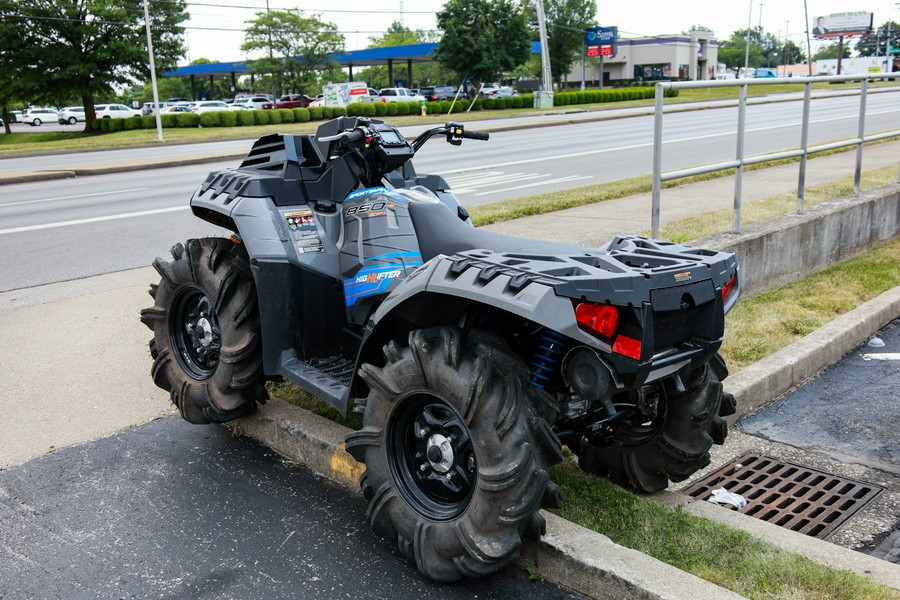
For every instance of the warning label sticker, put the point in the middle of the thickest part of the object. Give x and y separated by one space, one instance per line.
304 231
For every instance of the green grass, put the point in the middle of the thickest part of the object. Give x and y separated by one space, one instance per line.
725 556
767 322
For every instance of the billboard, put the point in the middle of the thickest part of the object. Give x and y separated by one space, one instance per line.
601 41
838 24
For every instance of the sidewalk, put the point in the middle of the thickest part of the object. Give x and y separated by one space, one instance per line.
76 367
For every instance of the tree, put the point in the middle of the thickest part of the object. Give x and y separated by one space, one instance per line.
566 21
295 47
866 46
831 51
59 49
482 38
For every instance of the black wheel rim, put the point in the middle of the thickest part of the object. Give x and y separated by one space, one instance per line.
432 457
194 332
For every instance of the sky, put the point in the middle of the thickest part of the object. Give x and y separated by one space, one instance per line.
214 30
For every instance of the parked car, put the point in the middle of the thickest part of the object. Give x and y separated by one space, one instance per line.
174 109
36 116
293 101
70 115
147 108
399 94
203 106
254 102
115 111
498 92
439 92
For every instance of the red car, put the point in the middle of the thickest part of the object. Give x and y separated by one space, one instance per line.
293 101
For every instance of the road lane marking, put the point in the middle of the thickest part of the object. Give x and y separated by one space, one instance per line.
142 213
537 183
75 197
882 356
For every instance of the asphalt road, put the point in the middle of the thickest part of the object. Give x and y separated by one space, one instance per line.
173 510
61 230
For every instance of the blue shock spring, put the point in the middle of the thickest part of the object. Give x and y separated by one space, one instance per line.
547 354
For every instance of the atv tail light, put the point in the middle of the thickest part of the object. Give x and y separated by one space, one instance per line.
627 346
726 289
601 319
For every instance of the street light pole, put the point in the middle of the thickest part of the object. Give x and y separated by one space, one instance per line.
159 134
747 50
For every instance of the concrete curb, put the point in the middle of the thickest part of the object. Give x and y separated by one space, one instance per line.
588 562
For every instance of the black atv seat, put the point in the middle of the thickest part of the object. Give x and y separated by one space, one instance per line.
439 231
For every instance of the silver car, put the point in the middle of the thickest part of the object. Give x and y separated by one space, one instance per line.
71 115
36 116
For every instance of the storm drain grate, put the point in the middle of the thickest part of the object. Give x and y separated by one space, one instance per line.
789 495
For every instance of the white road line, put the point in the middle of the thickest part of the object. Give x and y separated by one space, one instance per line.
75 197
142 213
466 187
527 185
882 356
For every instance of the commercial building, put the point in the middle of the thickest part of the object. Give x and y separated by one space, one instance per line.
691 56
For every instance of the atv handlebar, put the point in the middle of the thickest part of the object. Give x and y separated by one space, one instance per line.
477 135
351 136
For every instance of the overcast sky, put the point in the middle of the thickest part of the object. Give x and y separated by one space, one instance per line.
214 31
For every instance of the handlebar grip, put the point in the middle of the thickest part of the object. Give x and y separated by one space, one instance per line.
350 136
476 135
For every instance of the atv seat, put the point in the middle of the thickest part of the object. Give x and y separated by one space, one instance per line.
439 231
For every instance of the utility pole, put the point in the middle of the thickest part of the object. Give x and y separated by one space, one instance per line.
784 54
808 45
747 49
159 134
544 98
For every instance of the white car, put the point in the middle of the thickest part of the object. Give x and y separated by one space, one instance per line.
36 116
399 94
115 111
70 115
174 109
253 102
203 106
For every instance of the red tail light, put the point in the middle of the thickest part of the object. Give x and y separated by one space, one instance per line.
601 319
726 289
627 346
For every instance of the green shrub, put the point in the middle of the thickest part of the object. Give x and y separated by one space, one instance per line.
245 117
515 102
131 123
478 104
338 111
462 105
117 124
301 115
392 108
380 109
328 112
210 119
357 109
403 108
579 98
274 117
171 120
187 120
369 110
487 103
670 93
228 118
316 113
104 124
287 115
260 117
148 122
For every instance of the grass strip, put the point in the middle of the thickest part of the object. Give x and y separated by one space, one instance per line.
717 553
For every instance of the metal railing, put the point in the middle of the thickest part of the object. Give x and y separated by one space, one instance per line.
740 161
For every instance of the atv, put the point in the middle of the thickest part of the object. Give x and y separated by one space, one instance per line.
471 357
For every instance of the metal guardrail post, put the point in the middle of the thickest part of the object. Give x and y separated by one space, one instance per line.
861 133
739 156
804 143
657 160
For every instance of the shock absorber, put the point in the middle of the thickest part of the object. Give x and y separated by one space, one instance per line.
547 354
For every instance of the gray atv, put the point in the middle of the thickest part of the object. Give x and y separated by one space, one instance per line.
471 357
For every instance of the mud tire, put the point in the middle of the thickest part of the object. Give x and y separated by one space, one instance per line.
475 391
692 423
224 379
